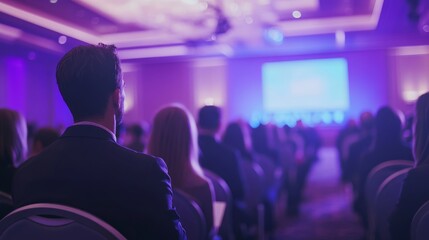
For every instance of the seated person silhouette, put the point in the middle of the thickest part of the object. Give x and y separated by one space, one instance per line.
13 146
388 145
222 160
415 190
174 138
134 137
86 169
13 150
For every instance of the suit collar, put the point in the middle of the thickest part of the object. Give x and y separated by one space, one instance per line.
88 131
96 125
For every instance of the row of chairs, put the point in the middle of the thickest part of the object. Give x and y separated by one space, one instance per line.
73 221
263 181
65 222
382 190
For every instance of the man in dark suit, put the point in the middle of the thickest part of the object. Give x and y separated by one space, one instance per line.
221 160
85 168
216 156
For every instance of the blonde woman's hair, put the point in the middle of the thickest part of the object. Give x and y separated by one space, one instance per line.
13 137
174 139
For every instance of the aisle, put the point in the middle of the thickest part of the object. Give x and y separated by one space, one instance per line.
326 213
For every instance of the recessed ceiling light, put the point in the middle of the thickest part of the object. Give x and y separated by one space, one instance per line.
53 1
62 39
296 14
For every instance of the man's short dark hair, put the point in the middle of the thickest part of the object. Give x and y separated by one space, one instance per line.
86 77
209 117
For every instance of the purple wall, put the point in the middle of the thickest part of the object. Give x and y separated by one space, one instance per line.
151 86
29 87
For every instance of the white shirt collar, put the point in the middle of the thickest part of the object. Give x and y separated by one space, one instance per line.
96 125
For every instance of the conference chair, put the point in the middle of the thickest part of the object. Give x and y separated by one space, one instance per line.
222 194
5 198
253 177
386 200
6 205
420 223
191 215
273 176
45 221
376 177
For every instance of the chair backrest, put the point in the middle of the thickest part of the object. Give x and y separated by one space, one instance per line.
378 174
253 177
6 204
191 215
272 174
222 194
54 221
420 223
387 197
5 198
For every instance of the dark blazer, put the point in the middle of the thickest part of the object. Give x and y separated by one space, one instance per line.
6 175
415 192
223 161
88 170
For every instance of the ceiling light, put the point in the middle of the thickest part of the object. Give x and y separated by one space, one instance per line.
274 35
296 14
340 38
62 39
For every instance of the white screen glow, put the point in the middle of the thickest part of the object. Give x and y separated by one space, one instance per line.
305 86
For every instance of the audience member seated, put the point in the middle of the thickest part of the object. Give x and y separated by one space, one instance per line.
43 138
292 154
237 136
86 169
359 148
260 141
304 163
174 139
388 145
13 150
348 135
134 137
13 146
415 191
221 160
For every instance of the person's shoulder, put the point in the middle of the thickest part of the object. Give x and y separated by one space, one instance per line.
139 157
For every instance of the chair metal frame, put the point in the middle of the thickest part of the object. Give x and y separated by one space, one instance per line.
420 222
222 194
62 217
191 215
387 197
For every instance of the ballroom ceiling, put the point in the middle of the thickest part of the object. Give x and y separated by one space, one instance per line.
159 28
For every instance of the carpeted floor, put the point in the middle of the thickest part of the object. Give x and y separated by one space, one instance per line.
325 213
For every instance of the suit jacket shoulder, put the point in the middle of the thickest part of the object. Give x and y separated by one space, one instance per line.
87 169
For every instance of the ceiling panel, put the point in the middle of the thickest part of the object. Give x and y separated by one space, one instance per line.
255 25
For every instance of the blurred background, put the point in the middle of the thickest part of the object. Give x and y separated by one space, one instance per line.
321 61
